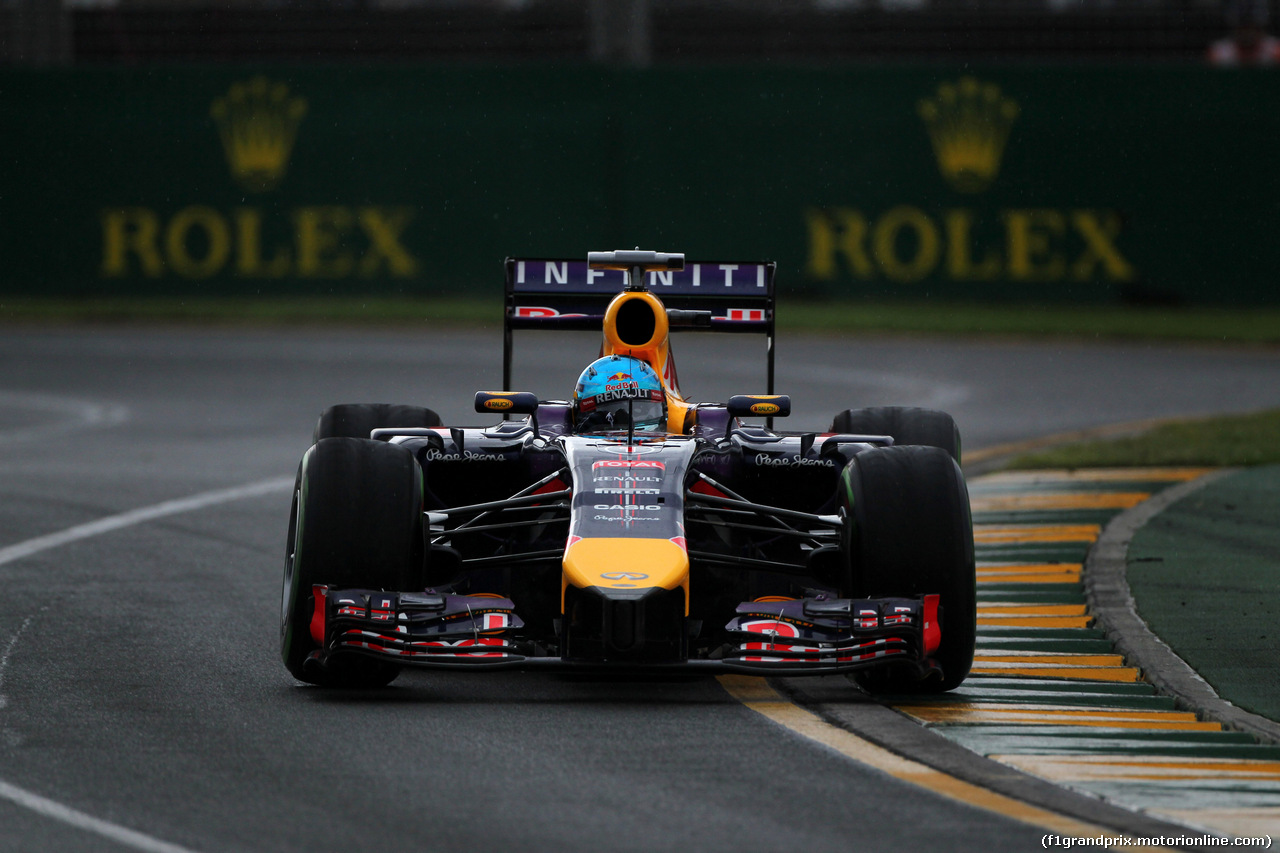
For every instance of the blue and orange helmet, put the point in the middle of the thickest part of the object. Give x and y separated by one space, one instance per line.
615 391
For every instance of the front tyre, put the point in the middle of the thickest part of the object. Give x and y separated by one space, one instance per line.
356 522
910 533
357 420
907 425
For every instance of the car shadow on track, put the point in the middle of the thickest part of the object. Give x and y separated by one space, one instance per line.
525 688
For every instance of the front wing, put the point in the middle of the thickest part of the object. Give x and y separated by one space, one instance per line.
814 636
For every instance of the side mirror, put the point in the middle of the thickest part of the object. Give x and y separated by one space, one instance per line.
507 402
679 318
759 405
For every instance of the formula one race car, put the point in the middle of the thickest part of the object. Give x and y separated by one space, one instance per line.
629 528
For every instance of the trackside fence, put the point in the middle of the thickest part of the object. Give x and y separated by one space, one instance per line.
1010 182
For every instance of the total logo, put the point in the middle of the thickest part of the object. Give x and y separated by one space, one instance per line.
619 463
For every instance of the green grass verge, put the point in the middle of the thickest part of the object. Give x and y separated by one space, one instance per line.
1236 326
1234 440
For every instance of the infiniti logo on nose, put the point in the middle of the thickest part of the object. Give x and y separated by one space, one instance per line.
624 576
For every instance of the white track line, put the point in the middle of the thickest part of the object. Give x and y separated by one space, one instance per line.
42 805
80 820
76 414
139 516
4 658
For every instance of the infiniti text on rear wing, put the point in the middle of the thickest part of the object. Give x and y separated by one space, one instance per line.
558 293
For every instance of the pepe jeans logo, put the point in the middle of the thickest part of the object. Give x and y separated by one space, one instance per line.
465 456
258 122
968 123
768 461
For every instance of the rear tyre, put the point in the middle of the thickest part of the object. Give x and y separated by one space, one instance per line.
907 425
909 533
357 420
356 522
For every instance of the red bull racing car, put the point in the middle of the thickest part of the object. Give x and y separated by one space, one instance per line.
629 527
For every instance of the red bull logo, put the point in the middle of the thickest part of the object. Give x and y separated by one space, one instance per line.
621 382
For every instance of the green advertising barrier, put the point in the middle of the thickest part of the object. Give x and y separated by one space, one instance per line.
1005 182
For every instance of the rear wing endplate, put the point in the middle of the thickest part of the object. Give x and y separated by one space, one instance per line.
561 294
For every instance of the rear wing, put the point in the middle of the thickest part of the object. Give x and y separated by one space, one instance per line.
561 294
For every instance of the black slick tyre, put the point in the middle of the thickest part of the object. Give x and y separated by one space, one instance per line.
356 420
907 425
910 533
356 522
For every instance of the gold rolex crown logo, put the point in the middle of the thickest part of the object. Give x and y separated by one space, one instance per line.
258 122
968 123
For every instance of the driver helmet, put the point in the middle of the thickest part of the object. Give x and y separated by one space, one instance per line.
615 390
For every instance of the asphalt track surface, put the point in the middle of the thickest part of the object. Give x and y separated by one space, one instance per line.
142 701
